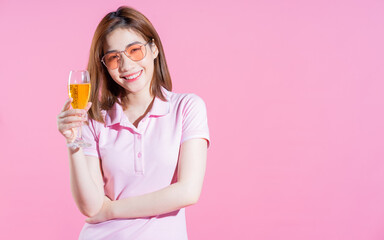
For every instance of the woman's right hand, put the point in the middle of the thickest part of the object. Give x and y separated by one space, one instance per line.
69 120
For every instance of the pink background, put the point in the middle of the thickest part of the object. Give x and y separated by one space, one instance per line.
294 91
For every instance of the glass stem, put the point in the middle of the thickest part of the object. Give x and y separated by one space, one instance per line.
78 137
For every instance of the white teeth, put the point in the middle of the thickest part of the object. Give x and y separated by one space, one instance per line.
134 76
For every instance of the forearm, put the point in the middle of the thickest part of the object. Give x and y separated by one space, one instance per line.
171 198
186 191
87 195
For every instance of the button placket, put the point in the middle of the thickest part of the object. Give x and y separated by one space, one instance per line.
139 157
139 168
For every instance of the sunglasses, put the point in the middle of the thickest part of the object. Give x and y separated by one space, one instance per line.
135 52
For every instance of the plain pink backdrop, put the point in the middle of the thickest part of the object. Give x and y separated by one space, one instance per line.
295 98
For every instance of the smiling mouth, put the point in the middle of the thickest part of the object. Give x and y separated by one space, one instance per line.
133 77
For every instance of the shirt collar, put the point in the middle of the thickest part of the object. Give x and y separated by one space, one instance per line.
114 115
159 108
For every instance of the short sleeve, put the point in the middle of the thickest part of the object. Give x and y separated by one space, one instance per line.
195 122
88 134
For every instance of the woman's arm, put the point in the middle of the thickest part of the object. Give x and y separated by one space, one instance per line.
86 179
87 184
185 192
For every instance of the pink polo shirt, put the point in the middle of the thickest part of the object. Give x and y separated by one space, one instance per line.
141 160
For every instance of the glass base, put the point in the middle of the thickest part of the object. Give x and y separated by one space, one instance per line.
78 143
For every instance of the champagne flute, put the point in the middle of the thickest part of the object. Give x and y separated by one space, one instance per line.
79 88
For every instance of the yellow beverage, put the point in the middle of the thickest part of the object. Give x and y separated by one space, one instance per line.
80 94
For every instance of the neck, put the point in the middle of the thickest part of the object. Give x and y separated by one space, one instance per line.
138 106
140 100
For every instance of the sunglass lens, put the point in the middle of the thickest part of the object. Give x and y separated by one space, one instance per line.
111 60
136 52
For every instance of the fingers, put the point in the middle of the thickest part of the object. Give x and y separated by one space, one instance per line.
68 120
90 221
71 119
67 104
89 104
64 127
72 112
106 198
64 123
65 112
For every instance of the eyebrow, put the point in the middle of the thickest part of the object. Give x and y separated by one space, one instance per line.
133 43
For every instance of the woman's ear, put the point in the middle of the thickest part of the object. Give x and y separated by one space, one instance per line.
155 50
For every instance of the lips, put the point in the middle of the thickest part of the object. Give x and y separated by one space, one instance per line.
132 77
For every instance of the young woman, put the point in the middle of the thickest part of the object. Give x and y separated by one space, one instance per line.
149 145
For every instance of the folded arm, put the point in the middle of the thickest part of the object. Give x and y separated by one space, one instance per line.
186 191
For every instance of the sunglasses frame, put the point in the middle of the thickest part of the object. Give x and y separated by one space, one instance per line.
126 54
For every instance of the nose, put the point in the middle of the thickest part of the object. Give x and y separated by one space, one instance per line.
126 64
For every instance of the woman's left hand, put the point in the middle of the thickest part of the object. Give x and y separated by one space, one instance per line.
104 214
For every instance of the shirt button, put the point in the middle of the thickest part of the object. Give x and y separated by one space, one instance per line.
139 155
139 137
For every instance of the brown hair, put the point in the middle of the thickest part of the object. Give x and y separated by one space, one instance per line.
105 92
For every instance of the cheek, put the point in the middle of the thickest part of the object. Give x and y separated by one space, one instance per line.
114 74
149 66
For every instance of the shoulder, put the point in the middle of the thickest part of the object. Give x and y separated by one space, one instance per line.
188 106
192 114
182 100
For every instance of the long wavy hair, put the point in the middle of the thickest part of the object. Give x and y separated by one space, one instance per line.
105 92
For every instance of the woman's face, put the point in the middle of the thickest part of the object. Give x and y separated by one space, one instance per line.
134 76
